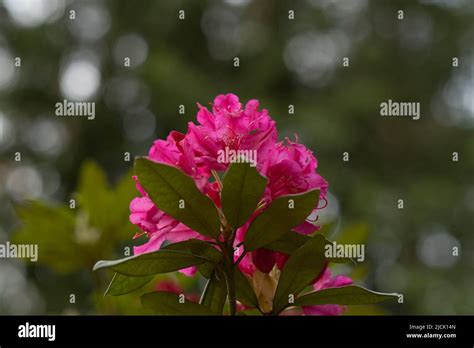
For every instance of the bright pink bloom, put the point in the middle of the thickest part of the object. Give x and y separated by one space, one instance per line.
176 151
326 282
229 126
291 169
158 225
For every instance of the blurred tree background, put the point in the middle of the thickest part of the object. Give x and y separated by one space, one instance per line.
282 62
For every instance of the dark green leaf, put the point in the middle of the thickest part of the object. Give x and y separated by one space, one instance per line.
162 261
335 259
279 218
301 268
244 291
173 257
215 293
169 187
328 229
206 269
288 243
196 247
243 189
344 295
291 241
121 284
201 248
167 303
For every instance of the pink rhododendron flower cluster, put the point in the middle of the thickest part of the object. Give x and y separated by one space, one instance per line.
289 167
233 127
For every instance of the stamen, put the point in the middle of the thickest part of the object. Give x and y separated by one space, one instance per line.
325 204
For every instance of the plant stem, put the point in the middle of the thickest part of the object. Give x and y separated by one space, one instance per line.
229 276
231 293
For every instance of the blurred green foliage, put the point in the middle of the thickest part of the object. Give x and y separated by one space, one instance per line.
72 238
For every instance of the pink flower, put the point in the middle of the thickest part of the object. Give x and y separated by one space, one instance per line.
229 126
326 281
158 225
291 169
176 151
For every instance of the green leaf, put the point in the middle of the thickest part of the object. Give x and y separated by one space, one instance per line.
291 241
167 303
279 218
344 295
172 257
201 248
243 189
169 187
301 268
69 238
328 229
243 290
206 269
215 293
336 259
161 261
121 284
196 247
288 243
